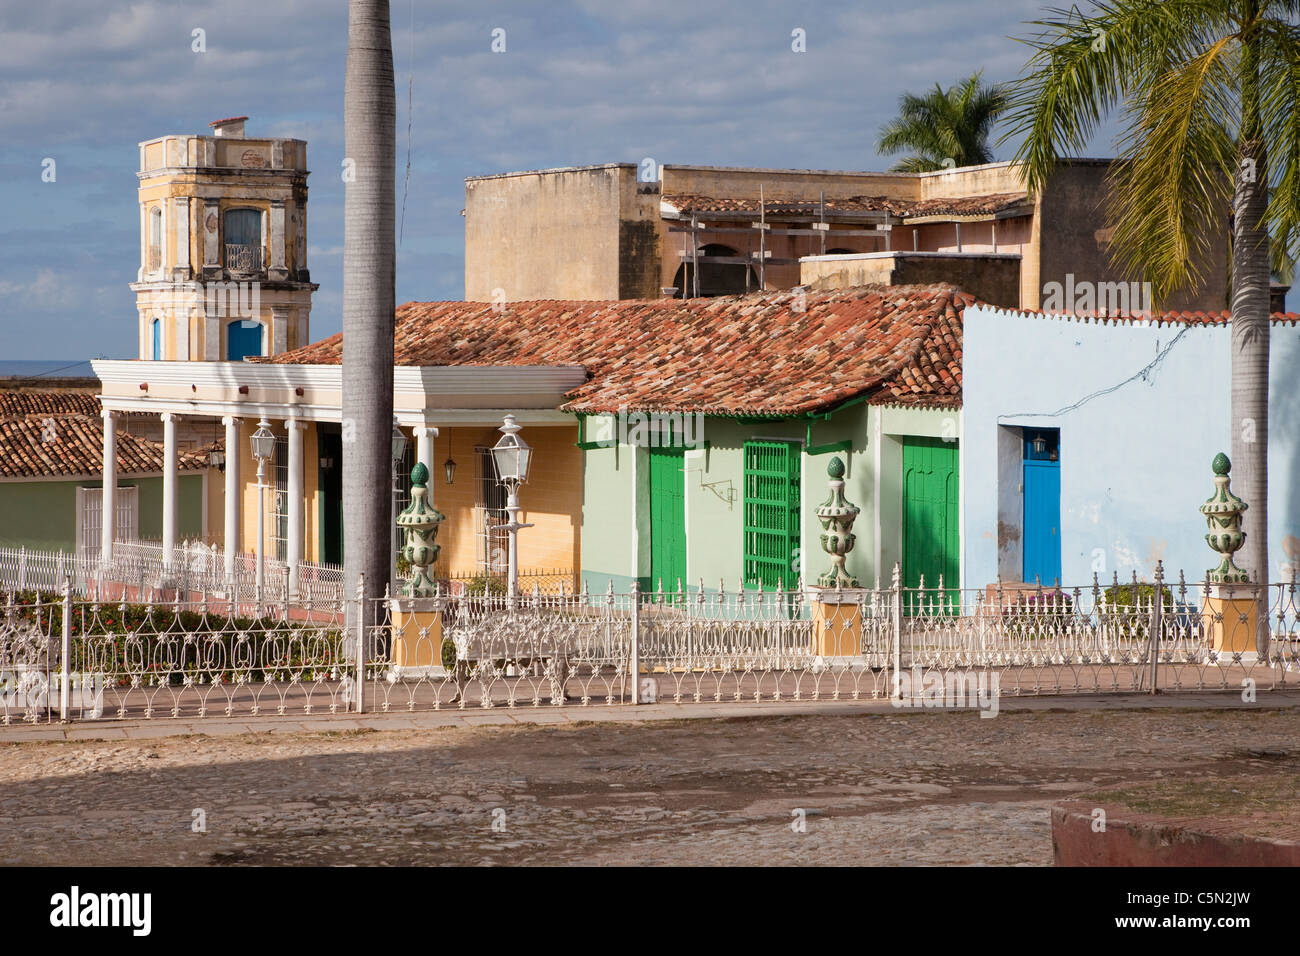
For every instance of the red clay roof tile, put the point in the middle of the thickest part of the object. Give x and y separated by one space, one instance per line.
770 354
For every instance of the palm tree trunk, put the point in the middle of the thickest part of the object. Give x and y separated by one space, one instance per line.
369 123
1250 335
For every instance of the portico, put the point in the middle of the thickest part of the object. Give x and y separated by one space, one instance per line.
447 412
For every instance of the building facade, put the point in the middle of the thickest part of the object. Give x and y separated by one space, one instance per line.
623 231
223 246
1129 413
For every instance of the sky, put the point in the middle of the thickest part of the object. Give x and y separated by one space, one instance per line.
82 82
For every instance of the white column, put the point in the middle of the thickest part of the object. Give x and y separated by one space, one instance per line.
424 436
109 516
293 549
169 488
233 492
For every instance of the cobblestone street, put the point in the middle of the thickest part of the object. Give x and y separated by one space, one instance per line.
877 788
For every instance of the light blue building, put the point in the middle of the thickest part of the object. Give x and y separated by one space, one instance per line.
1087 444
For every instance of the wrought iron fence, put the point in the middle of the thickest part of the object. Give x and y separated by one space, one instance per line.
73 657
138 571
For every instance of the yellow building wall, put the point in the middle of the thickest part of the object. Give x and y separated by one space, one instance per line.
551 501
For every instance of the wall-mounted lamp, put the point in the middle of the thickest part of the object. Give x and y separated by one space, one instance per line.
449 468
1039 444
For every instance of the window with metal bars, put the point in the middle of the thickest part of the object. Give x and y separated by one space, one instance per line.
771 550
280 498
489 514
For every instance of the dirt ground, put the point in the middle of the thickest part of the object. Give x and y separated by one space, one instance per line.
905 788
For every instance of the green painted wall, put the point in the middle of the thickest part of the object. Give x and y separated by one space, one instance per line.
615 527
43 514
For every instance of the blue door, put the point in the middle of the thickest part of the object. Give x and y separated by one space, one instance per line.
243 338
1042 518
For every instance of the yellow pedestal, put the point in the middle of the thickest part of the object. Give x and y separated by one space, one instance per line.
417 635
1231 614
837 628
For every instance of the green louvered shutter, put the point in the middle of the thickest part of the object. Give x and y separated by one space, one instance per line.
771 513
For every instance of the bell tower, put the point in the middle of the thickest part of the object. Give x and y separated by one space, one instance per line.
223 246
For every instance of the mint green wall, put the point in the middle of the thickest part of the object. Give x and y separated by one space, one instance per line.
615 526
43 514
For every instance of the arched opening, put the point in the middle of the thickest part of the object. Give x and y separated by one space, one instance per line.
155 340
841 251
243 338
716 278
243 241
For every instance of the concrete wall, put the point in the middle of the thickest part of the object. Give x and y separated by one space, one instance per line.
1135 450
989 179
1073 239
547 235
991 278
804 184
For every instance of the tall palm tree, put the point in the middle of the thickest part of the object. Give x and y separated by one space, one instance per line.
369 125
944 128
1208 89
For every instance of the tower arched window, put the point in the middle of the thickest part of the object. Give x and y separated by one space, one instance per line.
243 238
155 340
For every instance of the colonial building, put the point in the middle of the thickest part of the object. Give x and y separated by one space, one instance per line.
622 231
52 468
223 246
1088 445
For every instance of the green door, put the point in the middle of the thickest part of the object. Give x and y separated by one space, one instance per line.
667 518
771 514
931 544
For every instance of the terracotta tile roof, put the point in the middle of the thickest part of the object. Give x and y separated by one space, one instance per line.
961 206
75 447
768 354
24 401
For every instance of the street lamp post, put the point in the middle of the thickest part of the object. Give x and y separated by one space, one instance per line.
399 452
512 458
263 443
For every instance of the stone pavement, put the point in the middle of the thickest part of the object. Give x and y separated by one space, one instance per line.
790 783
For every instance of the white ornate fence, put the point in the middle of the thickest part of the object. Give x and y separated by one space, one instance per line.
76 658
138 570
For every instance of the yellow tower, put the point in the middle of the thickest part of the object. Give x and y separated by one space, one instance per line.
223 246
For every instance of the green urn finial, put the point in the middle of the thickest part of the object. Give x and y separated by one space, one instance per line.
420 521
1223 512
837 515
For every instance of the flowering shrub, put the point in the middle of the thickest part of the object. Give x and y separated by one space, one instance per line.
160 643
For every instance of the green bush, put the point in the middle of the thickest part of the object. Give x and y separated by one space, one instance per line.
162 644
486 584
1124 594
